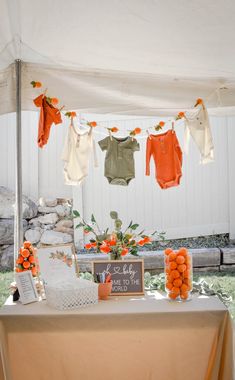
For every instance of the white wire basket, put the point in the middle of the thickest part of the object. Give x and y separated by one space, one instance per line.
72 294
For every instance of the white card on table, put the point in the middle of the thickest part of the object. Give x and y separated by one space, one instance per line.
26 286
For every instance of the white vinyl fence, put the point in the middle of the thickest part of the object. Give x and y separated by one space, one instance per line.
203 204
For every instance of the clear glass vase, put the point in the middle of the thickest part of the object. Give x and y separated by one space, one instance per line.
115 255
178 274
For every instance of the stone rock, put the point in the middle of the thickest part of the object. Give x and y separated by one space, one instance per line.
48 227
51 202
33 236
42 202
67 230
61 210
7 230
35 222
65 223
46 210
54 237
48 218
7 202
7 258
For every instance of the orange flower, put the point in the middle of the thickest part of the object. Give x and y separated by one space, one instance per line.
124 252
92 123
141 243
104 248
112 242
25 253
114 129
94 245
88 246
54 101
137 131
73 114
180 115
38 84
147 239
199 101
161 123
27 244
26 264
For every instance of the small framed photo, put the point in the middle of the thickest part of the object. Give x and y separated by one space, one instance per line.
26 286
57 262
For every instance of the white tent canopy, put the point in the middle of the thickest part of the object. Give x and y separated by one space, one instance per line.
132 57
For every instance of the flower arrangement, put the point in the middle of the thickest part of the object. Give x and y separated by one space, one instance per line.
26 259
116 243
159 126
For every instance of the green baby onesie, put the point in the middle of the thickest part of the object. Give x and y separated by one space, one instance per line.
119 160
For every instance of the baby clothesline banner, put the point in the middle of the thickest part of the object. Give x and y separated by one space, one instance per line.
119 166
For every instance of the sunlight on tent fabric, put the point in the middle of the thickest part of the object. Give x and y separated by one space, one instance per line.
127 57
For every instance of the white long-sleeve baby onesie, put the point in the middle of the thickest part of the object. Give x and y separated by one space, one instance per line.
197 125
76 152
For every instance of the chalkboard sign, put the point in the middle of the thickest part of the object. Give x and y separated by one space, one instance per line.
127 276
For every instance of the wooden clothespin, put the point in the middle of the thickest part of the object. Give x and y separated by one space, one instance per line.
44 94
110 135
173 126
61 108
148 134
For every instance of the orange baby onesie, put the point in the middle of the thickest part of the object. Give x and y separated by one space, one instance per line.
167 156
48 116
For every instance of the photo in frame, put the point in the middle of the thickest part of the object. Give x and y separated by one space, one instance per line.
57 262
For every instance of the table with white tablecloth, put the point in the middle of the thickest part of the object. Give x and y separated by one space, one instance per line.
125 338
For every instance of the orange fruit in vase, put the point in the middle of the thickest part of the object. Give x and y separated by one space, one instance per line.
184 288
34 271
167 271
168 251
184 295
26 264
169 285
175 274
187 273
180 259
177 282
31 259
20 260
175 290
172 295
182 268
170 278
27 244
25 253
183 252
172 265
172 256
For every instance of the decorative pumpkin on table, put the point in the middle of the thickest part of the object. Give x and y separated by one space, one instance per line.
116 243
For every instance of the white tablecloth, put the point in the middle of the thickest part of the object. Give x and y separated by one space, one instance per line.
123 338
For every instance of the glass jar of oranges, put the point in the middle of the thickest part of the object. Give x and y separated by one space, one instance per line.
179 274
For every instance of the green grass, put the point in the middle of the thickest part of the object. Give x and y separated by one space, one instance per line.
224 280
5 279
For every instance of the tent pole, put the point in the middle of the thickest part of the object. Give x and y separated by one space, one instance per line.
18 236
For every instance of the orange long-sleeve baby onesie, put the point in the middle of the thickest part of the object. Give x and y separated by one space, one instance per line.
48 115
167 156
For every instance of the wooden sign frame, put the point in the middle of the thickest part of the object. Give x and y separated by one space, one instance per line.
124 262
26 286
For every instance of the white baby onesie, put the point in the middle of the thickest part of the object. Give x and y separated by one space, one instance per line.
197 125
76 152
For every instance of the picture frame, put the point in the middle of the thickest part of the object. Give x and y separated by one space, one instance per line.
127 275
26 287
57 261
